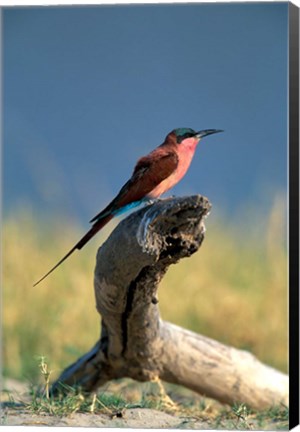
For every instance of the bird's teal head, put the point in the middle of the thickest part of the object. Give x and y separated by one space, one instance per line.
182 133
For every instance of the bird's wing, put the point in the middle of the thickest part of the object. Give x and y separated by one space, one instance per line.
149 172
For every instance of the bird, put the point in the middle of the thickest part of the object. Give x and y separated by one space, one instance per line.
152 176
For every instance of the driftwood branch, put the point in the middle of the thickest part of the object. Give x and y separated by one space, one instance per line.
136 343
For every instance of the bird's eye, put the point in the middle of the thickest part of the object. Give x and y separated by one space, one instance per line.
184 136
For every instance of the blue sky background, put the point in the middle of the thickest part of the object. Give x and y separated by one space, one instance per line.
88 90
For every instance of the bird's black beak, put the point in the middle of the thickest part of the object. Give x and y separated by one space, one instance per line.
206 132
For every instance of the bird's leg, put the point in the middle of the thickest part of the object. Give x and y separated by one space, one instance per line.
150 201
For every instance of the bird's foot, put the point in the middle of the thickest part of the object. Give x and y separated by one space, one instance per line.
150 201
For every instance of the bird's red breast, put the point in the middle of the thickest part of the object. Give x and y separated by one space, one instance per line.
185 152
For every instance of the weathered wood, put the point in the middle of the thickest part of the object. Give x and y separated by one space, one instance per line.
136 343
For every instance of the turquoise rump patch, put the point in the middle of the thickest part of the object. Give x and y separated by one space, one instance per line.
127 207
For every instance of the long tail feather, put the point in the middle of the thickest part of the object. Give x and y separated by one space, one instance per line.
58 264
95 228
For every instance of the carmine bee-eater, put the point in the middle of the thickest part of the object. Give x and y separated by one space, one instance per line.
152 176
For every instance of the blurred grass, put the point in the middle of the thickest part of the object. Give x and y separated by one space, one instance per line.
234 289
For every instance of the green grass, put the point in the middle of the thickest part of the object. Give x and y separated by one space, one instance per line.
114 405
123 394
234 289
240 417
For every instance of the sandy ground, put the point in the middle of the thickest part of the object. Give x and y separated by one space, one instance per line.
13 413
132 418
14 397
